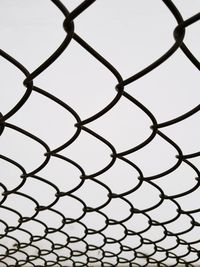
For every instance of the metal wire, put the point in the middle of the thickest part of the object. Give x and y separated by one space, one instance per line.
63 253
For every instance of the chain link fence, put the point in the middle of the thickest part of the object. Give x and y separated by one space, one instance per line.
83 233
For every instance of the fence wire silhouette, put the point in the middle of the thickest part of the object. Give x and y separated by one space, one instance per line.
77 250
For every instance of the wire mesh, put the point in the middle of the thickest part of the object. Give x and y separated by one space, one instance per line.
33 241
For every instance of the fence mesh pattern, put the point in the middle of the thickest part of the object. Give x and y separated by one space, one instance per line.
34 241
